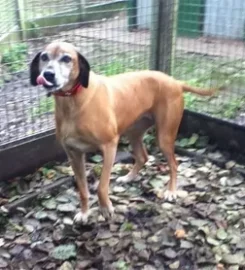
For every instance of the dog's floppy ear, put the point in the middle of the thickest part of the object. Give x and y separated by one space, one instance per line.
34 69
84 69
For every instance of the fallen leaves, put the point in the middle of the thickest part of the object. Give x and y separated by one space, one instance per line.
63 252
220 267
180 234
48 173
205 225
3 201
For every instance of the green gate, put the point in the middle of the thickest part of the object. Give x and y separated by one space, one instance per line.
190 17
132 14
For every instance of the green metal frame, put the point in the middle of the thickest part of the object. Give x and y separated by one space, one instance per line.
190 18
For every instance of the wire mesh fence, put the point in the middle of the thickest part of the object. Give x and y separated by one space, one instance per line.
101 30
118 36
210 51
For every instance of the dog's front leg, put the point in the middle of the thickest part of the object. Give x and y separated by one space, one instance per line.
77 160
109 153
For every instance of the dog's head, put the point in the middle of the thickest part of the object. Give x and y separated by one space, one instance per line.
59 67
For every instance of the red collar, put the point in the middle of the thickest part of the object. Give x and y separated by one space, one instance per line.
75 89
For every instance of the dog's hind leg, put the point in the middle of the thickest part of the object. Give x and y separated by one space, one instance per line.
167 122
140 155
167 146
135 134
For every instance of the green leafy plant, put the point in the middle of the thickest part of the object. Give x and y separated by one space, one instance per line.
127 227
149 138
112 68
63 252
34 30
46 105
15 57
121 265
190 100
200 71
229 110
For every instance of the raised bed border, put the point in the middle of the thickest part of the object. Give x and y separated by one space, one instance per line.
27 156
27 29
227 135
68 20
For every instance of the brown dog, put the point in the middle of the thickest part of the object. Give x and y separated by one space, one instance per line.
93 111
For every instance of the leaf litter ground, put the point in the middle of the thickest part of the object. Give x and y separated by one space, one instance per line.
203 229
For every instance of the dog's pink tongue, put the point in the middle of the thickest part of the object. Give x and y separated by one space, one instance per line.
41 80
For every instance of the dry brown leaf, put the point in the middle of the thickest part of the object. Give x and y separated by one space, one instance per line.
220 266
3 201
160 194
163 168
180 234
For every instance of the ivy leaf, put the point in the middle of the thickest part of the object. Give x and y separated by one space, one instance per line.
96 158
64 252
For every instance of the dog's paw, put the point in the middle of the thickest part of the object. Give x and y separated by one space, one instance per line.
107 212
170 195
81 218
125 179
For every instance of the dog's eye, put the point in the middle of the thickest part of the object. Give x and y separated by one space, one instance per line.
44 57
66 59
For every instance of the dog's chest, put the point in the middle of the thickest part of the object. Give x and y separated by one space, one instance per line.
72 139
77 144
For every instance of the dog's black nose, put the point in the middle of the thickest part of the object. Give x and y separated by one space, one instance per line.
49 76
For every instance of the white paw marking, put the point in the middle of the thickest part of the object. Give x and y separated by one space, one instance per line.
81 218
107 212
126 178
170 195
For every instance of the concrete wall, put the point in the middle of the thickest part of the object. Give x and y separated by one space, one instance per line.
224 18
144 13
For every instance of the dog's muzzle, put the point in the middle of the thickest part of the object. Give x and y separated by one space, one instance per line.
49 76
47 79
41 80
48 82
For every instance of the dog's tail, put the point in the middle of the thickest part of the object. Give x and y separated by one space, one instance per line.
198 91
